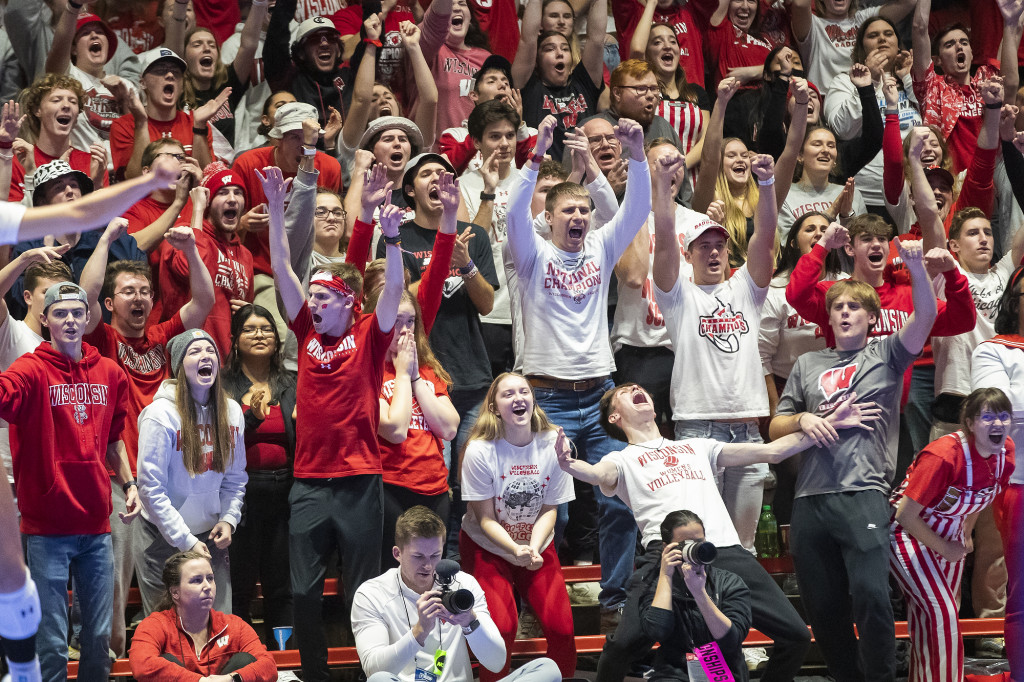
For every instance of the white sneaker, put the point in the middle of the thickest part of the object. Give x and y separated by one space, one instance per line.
756 658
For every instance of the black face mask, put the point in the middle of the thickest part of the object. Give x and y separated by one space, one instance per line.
799 73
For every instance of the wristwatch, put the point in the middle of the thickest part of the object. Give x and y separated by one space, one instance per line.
128 484
471 628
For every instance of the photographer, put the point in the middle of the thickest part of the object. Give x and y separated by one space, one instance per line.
692 604
404 632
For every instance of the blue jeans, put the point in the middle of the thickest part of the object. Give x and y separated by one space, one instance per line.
578 413
89 559
742 487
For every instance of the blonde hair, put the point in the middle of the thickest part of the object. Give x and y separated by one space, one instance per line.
861 292
735 219
489 426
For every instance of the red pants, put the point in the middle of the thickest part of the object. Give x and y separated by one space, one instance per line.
543 589
1009 517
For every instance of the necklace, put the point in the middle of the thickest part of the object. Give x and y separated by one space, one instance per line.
405 607
659 446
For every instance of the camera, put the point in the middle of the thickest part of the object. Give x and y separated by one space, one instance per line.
698 552
455 600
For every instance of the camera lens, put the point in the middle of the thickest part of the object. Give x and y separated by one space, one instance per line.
458 601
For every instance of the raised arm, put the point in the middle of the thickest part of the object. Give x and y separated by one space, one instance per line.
593 51
1013 16
431 288
13 270
642 34
933 234
711 156
636 205
95 208
10 122
604 473
289 288
394 271
526 54
59 57
921 41
915 332
149 237
174 32
896 10
250 39
800 19
194 312
635 263
426 86
95 270
522 240
666 246
786 164
362 88
760 252
277 59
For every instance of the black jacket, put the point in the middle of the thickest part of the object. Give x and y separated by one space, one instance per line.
282 386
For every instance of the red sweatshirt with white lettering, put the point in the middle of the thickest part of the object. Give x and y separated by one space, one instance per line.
63 414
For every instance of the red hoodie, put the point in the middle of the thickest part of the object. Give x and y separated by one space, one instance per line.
230 266
63 414
161 633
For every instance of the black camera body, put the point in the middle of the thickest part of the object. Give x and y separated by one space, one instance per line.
698 552
458 600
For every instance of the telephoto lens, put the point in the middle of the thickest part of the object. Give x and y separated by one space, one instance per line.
698 552
456 601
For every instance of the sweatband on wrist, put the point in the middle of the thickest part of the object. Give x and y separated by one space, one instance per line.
994 105
766 183
20 612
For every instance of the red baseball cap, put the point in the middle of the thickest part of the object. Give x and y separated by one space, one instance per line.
86 19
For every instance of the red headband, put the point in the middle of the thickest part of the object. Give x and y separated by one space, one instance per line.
326 279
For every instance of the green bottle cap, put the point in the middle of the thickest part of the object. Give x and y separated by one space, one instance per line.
766 507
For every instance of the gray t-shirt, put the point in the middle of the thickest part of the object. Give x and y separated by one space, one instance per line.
861 459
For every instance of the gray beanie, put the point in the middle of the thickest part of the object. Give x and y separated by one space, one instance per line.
177 346
54 294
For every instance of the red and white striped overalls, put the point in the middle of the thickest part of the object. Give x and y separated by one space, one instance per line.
930 583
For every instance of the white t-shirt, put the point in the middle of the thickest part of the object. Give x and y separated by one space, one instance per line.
93 125
471 183
565 295
661 476
804 199
953 353
827 47
638 320
784 335
520 480
10 221
716 373
16 339
383 611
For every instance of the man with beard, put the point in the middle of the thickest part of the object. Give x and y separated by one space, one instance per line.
217 207
127 294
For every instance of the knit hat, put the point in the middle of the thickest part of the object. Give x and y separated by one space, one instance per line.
177 346
217 175
54 294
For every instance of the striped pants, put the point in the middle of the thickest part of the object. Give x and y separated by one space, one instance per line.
931 586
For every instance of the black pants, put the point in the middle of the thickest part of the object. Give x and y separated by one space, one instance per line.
500 351
840 545
259 552
398 500
652 369
771 613
343 514
234 664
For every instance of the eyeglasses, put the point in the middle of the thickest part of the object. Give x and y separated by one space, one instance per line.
179 156
990 418
323 212
602 139
132 293
253 331
644 90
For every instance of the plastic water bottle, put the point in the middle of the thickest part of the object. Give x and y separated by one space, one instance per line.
766 541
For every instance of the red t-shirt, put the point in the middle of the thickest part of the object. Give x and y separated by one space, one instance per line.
417 463
230 266
144 213
499 20
219 17
729 49
684 18
122 136
339 383
265 447
144 360
246 166
941 466
78 160
139 26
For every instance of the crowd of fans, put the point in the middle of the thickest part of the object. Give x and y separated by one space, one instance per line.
518 284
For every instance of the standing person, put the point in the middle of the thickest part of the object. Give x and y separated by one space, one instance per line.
563 285
66 388
341 371
513 486
839 537
20 610
220 645
191 468
950 482
401 627
255 378
126 291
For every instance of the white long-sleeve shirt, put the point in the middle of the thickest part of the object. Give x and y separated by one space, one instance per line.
383 613
180 505
565 295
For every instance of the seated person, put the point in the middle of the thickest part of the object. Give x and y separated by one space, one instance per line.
404 633
185 623
691 605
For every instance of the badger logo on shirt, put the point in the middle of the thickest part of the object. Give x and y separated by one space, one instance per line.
724 327
836 380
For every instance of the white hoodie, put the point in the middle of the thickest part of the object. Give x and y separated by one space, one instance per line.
180 505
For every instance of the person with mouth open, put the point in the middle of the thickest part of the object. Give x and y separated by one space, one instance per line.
951 100
563 286
217 207
191 469
839 537
187 635
950 483
337 464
